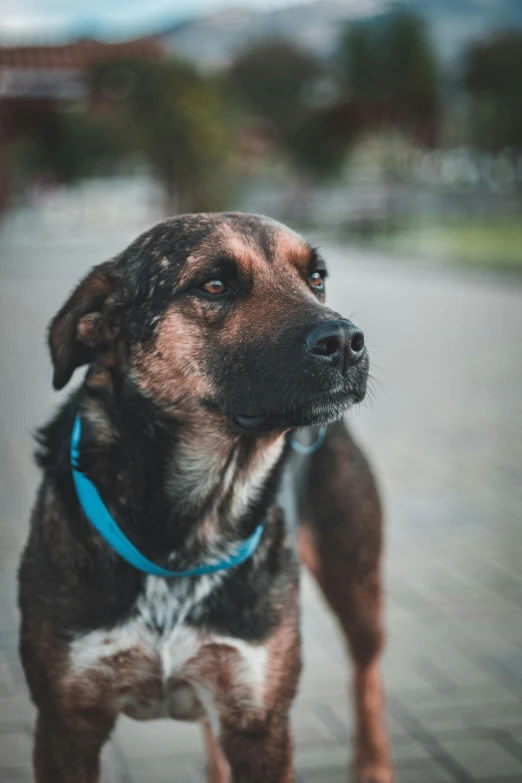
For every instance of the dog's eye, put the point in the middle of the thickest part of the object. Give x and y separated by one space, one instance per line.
215 287
316 280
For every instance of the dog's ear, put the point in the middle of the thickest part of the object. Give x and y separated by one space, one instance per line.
81 327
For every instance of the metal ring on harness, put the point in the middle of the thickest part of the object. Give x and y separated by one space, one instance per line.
304 450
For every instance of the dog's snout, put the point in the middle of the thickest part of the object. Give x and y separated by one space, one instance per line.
339 342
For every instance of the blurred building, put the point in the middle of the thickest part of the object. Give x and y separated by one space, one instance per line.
35 81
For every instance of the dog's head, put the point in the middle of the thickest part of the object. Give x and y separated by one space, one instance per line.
222 313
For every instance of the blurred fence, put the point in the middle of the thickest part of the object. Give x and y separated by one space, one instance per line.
440 186
93 207
437 185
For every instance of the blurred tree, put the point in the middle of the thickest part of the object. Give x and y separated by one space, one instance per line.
175 118
493 77
360 63
281 83
65 145
411 63
390 60
77 145
274 79
315 146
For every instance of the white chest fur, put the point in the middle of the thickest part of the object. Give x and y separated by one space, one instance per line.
155 665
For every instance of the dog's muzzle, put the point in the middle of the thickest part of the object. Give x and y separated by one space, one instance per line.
339 342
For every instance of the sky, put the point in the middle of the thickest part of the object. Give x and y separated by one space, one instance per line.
23 18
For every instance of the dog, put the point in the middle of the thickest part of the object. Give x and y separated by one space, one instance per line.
208 343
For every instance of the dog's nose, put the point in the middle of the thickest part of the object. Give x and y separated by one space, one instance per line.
339 342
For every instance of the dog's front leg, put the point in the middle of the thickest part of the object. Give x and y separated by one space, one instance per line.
247 691
262 753
67 749
218 769
340 541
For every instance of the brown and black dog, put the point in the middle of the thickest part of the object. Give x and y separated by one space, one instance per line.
207 341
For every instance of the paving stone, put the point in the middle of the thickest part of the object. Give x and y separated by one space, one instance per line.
17 707
427 771
15 752
482 758
159 772
14 777
158 739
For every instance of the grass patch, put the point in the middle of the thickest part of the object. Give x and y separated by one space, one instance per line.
493 243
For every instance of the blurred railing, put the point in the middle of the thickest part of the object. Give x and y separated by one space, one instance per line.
422 191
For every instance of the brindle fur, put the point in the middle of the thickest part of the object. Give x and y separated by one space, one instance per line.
173 384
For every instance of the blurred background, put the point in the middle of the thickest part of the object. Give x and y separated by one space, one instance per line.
390 134
398 123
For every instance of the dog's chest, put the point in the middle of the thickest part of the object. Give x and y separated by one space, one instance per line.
155 665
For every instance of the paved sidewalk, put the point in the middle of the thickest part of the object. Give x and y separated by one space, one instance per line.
444 429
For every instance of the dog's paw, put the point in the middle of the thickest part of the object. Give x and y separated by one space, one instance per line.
374 774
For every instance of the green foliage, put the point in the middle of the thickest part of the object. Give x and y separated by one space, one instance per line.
390 59
494 81
175 118
276 81
313 148
67 144
81 146
272 79
361 70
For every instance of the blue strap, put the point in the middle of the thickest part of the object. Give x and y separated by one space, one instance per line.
305 450
98 515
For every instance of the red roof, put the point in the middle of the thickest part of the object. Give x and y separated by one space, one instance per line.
79 55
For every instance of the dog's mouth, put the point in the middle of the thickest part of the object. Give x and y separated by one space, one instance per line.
315 411
250 422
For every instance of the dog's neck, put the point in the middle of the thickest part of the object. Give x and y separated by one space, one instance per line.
219 475
183 486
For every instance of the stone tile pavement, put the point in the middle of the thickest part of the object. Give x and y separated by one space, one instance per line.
444 429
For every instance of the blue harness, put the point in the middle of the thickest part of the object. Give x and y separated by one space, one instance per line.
98 515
